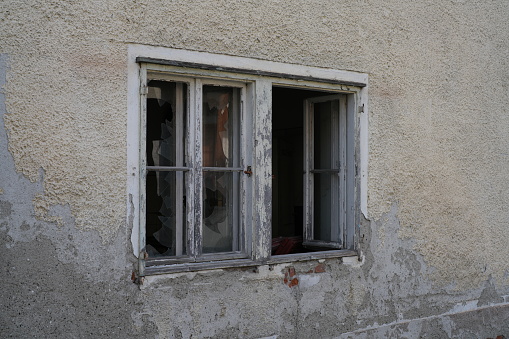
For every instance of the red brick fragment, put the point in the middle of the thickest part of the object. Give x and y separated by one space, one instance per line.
294 282
320 268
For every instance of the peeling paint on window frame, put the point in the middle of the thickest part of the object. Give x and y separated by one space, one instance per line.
260 77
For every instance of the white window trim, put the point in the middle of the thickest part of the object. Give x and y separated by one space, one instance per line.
266 75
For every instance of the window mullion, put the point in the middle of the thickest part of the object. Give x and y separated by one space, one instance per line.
197 117
262 170
308 165
179 189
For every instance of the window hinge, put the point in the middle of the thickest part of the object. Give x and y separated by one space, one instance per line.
136 278
361 108
143 90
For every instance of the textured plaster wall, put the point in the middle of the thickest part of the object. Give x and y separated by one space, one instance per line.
435 242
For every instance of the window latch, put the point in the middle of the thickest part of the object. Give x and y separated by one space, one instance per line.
248 171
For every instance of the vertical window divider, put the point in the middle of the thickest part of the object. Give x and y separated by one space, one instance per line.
353 162
179 182
142 167
247 158
191 174
337 161
198 164
236 145
308 165
342 169
262 170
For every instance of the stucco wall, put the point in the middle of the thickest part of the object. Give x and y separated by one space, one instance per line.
434 253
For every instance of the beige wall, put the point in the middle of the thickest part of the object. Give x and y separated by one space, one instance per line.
438 114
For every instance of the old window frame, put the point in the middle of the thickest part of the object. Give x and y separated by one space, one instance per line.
194 171
260 77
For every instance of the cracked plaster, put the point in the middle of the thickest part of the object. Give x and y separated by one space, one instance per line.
435 118
438 187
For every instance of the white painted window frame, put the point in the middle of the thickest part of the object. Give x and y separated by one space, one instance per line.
259 76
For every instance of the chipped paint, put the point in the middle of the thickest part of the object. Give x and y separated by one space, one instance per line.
432 249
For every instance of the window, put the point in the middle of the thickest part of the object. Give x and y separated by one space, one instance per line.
242 166
195 169
312 146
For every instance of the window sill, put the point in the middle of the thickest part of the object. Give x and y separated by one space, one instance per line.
287 258
200 266
238 263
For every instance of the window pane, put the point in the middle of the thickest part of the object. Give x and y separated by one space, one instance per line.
326 132
220 126
165 214
220 211
326 185
166 126
326 209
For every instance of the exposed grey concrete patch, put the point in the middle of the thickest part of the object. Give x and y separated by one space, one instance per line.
56 301
432 329
485 322
84 249
188 304
24 226
395 281
489 294
5 209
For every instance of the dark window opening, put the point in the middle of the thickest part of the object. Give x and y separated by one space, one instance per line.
288 134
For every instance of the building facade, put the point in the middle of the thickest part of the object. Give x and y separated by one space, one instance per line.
254 169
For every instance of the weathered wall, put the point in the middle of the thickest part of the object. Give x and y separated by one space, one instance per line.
434 253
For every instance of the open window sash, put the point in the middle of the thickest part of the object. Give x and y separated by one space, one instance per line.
325 172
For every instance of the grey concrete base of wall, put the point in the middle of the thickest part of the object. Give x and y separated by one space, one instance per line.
483 322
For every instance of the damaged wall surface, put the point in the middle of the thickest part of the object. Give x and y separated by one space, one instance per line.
432 246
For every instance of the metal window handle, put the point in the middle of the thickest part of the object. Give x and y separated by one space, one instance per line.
248 171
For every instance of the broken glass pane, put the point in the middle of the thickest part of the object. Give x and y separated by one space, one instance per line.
220 211
165 236
220 149
220 126
162 144
165 190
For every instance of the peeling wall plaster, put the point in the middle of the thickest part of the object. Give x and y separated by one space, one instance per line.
65 120
437 135
438 138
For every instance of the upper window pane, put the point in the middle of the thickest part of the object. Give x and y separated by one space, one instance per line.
325 133
164 142
220 126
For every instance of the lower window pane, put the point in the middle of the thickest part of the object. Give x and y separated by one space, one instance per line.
326 209
165 214
220 212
